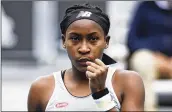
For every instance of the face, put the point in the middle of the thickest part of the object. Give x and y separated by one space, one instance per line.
84 41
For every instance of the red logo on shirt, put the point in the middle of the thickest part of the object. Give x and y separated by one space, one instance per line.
62 104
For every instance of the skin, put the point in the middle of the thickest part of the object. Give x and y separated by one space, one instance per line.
163 64
86 39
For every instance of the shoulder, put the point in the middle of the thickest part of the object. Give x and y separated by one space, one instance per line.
132 89
131 83
129 78
39 91
41 85
43 82
127 74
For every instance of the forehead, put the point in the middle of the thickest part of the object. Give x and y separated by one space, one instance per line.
85 25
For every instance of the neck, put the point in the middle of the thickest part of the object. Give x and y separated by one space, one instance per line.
78 76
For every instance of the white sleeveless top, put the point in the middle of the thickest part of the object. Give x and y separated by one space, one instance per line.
62 100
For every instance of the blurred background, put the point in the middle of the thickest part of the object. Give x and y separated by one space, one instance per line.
31 46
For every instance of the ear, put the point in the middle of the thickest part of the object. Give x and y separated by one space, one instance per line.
63 40
107 41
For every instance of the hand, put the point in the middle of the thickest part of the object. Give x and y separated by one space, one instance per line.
170 66
96 73
164 64
171 61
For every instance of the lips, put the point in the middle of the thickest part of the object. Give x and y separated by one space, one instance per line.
82 61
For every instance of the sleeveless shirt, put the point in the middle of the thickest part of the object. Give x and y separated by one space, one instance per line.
62 100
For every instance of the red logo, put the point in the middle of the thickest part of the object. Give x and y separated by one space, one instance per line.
62 104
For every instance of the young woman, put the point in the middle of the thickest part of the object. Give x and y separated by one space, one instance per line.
90 85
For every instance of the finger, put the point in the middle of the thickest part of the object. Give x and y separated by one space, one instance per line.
91 69
103 67
99 62
89 63
94 70
90 75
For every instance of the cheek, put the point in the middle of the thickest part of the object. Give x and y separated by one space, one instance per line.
71 51
98 52
98 49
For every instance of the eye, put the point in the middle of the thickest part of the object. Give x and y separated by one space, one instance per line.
92 38
75 38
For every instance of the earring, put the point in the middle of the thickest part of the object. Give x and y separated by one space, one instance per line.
106 46
64 46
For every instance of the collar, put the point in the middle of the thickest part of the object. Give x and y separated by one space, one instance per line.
107 60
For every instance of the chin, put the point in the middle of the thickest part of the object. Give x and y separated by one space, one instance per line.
82 69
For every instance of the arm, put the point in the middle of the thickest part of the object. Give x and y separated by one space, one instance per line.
40 93
96 73
134 93
33 103
163 63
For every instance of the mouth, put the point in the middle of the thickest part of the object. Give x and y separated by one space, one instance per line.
82 61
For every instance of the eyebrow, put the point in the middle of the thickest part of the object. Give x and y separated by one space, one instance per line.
92 33
74 33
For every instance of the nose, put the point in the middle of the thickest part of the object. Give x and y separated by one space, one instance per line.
84 48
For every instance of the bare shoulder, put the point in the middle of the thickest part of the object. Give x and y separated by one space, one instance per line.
128 76
129 79
43 82
132 89
40 91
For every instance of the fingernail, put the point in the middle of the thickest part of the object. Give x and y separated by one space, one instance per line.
87 62
96 59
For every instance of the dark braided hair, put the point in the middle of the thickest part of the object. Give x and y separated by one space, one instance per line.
101 15
86 6
82 6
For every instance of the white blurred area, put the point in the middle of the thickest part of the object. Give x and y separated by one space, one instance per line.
120 13
9 38
45 31
17 77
